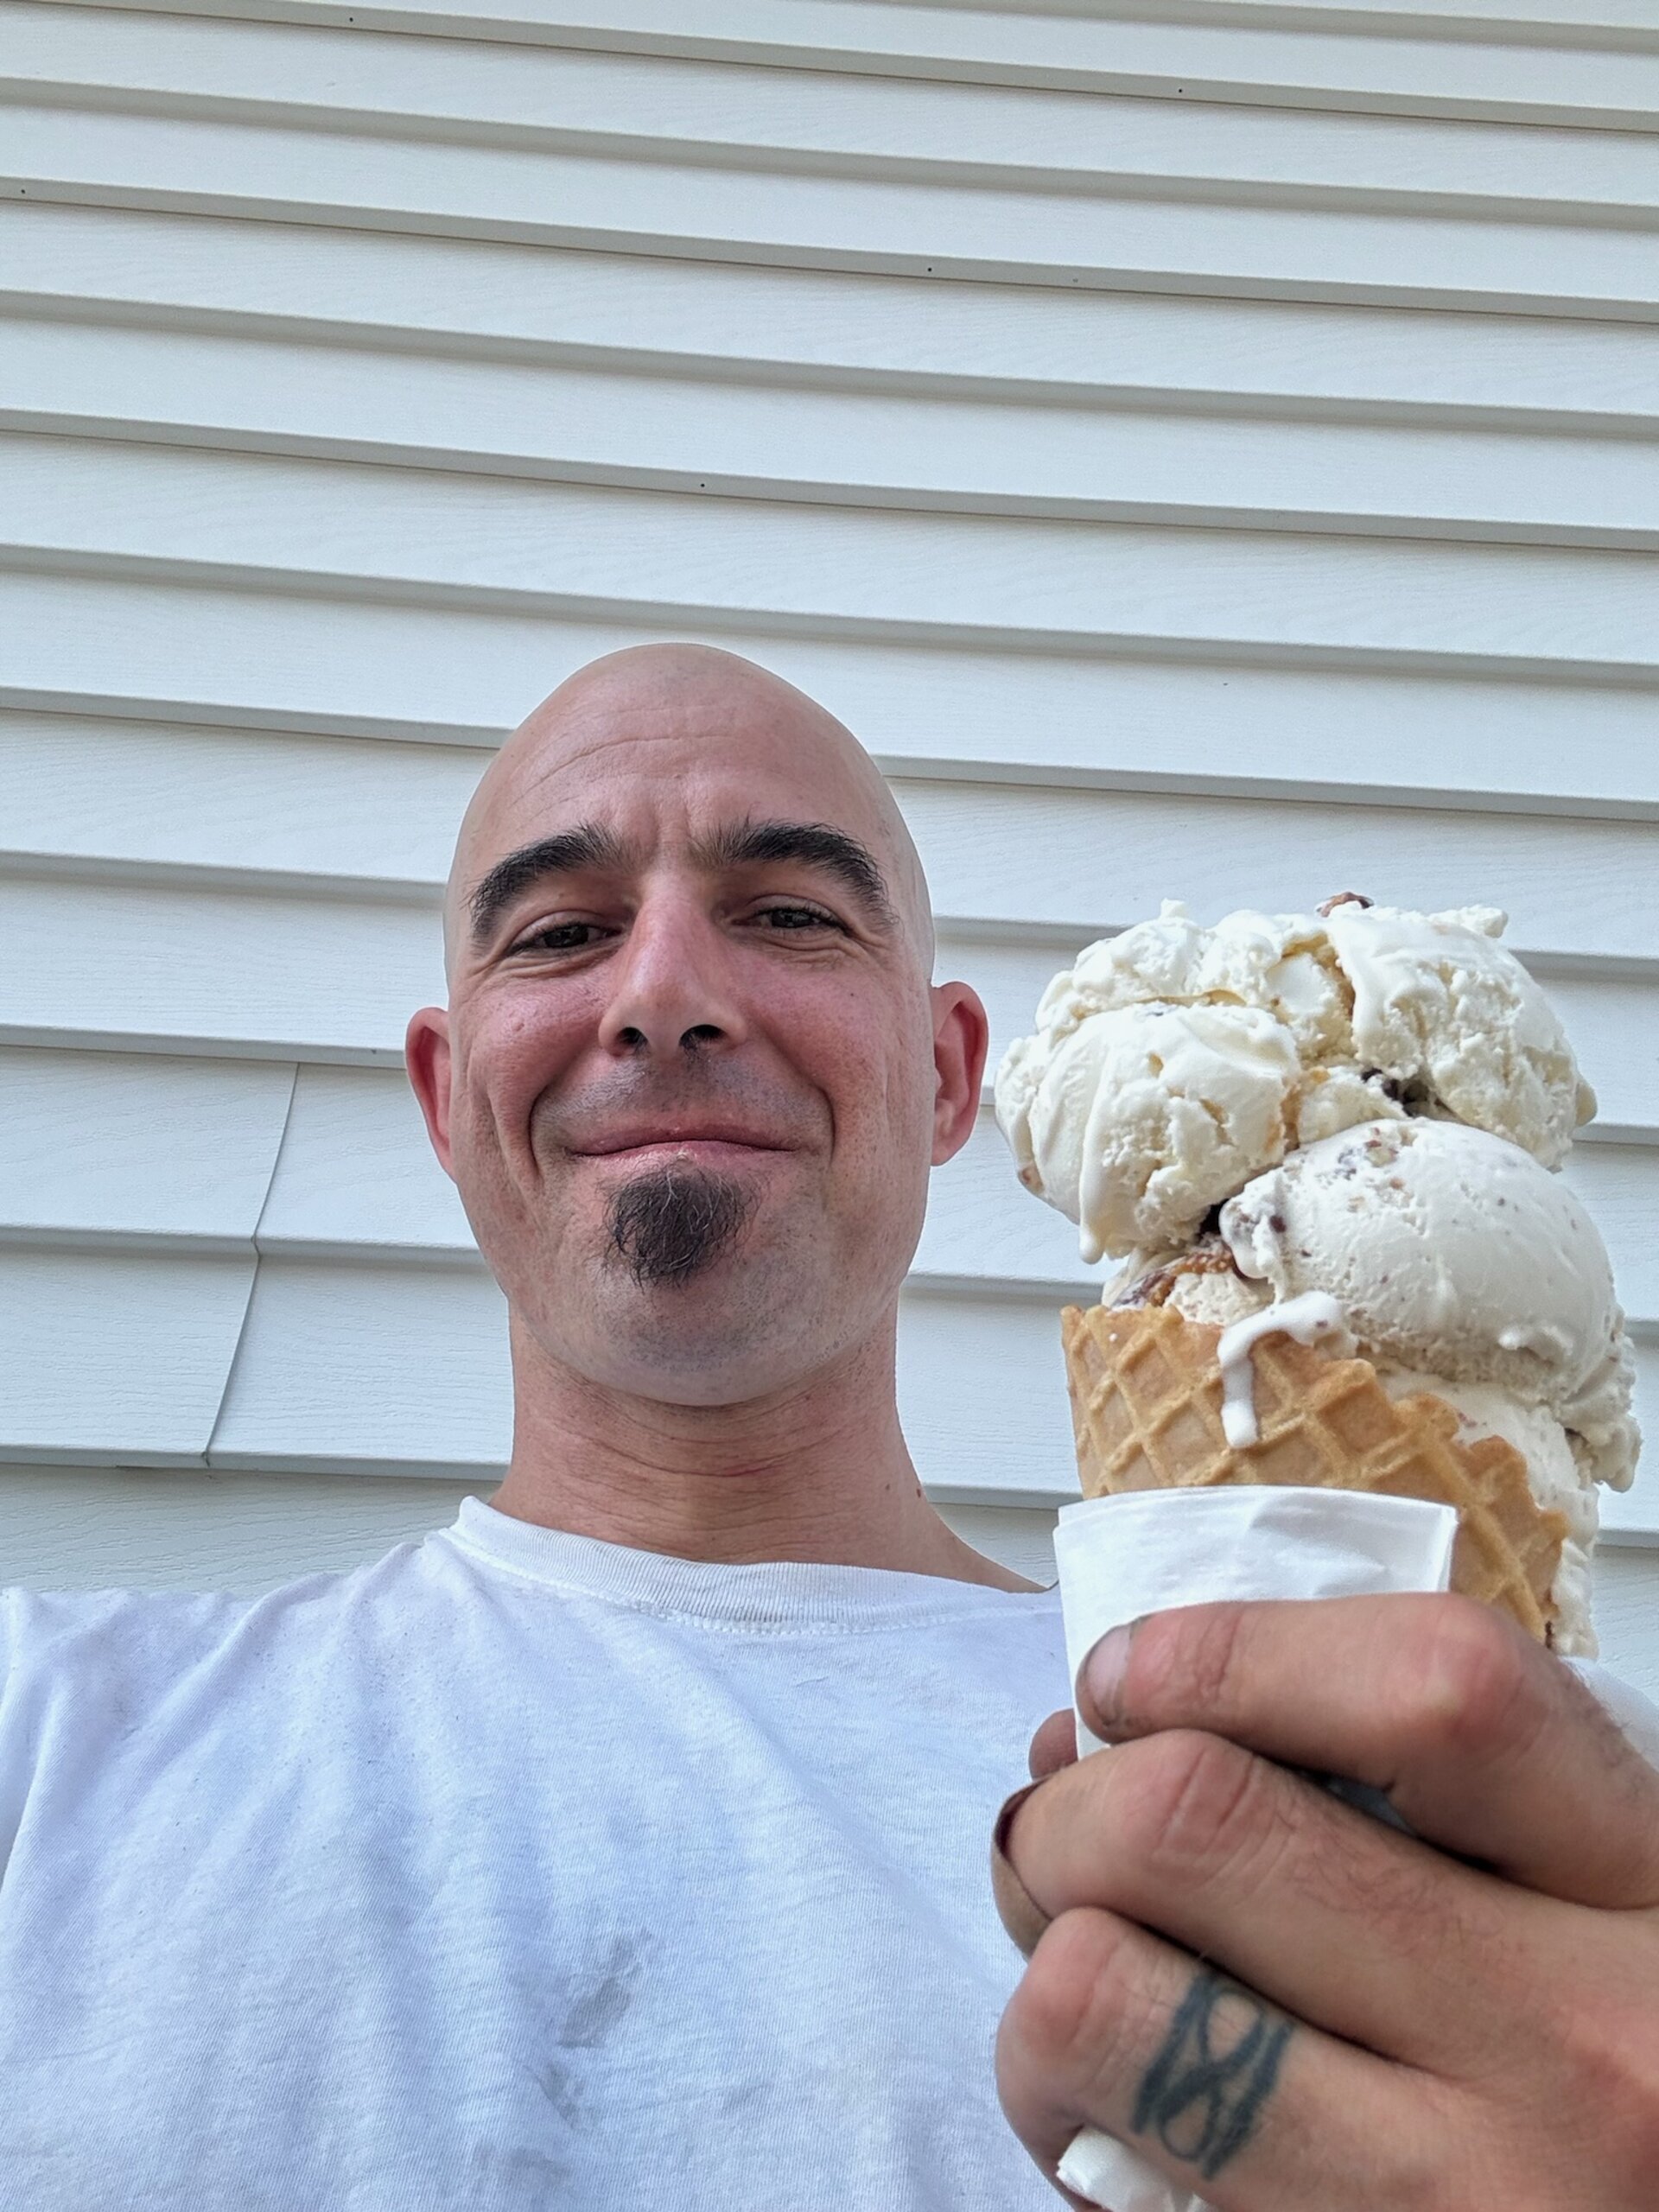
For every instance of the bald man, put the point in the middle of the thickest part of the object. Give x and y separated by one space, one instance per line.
627 1842
690 1080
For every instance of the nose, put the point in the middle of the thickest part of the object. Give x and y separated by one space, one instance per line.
674 990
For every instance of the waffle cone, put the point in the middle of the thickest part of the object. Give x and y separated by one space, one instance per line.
1145 1404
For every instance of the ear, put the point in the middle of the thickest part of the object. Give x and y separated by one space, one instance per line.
426 1056
962 1036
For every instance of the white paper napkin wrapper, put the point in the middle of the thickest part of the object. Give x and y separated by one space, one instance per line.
1146 1550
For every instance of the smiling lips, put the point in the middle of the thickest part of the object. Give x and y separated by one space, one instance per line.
705 1142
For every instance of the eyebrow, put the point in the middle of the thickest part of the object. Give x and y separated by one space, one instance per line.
587 846
816 843
743 844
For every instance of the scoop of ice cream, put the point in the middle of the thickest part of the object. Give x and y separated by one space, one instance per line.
1281 962
1556 1478
1438 1005
1483 1410
1139 1119
1455 1254
1601 1427
1382 1013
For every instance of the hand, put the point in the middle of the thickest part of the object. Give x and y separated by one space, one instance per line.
1290 2007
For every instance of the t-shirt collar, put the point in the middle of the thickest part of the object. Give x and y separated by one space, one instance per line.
766 1595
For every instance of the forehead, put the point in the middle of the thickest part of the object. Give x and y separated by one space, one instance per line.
669 775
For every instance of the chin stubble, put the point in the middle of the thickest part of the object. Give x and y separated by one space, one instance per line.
671 1225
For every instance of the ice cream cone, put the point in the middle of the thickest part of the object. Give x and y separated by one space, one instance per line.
1147 1396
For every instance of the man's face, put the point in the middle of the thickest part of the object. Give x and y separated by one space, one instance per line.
695 1074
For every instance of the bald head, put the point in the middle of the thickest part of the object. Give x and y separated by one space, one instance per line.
647 711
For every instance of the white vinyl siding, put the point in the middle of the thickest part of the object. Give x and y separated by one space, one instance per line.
1212 457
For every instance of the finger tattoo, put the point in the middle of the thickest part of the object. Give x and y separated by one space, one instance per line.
1203 2093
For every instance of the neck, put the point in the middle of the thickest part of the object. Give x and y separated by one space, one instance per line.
817 1471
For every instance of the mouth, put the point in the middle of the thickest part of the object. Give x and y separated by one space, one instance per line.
700 1147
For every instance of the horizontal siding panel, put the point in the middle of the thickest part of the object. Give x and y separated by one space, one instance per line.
302 662
801 120
1558 71
1089 860
983 1399
506 303
983 1385
1022 1537
654 109
116 1357
358 1175
232 803
1594 26
104 1143
1018 1417
668 559
840 447
1614 1027
264 977
371 1369
940 227
969 1432
1619 1186
375 820
1632 1515
982 1395
102 1528
1626 1604
124 1527
1612 23
376 1367
984 1230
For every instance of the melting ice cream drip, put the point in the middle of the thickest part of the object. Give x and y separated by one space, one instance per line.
1313 1315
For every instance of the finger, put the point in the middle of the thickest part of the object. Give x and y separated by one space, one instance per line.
1054 1745
1483 1742
1111 2027
1349 1924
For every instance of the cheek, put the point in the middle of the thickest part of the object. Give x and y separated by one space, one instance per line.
871 1057
513 1051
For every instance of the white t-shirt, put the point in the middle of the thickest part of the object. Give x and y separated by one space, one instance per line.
514 1870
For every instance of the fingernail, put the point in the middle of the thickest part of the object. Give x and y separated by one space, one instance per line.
1103 1670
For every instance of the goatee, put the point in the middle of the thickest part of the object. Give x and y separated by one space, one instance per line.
670 1225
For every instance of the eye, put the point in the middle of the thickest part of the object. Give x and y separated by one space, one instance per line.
559 937
796 917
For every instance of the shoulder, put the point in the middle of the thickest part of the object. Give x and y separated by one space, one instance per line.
79 1671
99 1687
123 1648
90 1643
